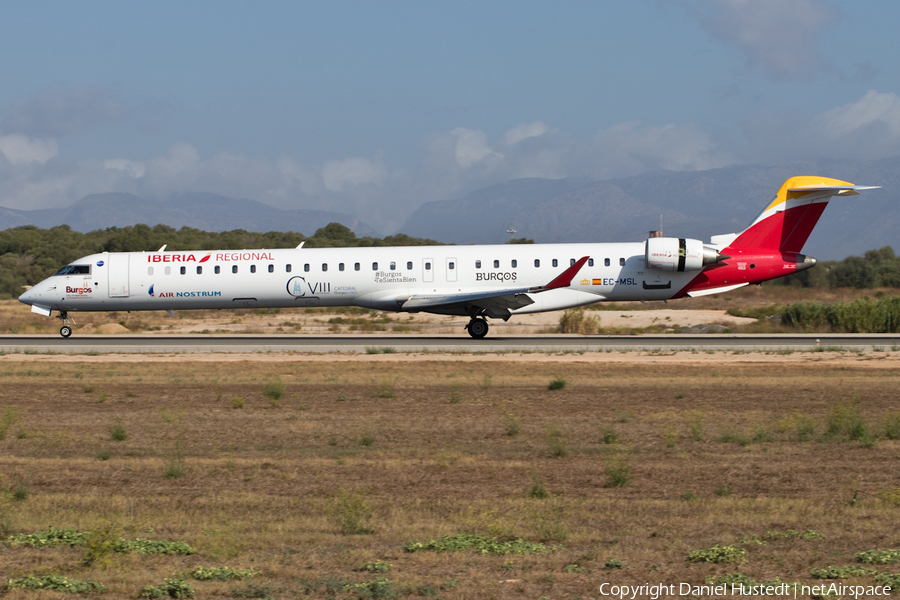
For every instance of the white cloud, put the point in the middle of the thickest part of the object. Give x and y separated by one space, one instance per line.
21 150
337 174
524 131
131 167
779 35
874 108
471 146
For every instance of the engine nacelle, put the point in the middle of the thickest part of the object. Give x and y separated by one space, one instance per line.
679 254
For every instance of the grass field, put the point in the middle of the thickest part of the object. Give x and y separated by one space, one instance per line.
318 473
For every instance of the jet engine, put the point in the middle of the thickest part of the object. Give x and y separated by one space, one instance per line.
680 254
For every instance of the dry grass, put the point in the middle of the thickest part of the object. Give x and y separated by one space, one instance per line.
711 451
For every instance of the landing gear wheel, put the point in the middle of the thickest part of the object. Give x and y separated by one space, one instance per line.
65 331
478 328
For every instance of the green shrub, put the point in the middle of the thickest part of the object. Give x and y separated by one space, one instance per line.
170 588
51 537
892 426
237 402
56 583
878 557
574 321
117 432
845 421
481 544
612 563
718 554
557 384
349 510
618 471
273 390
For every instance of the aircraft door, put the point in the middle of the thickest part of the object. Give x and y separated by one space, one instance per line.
427 270
118 274
451 269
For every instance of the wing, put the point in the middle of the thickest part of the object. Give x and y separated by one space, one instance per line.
496 303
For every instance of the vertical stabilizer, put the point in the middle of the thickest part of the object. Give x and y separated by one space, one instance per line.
787 221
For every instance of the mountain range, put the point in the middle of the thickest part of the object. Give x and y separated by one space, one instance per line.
208 212
695 204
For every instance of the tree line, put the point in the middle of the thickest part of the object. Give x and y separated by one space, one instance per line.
29 254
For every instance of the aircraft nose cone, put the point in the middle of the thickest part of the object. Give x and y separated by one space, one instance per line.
27 297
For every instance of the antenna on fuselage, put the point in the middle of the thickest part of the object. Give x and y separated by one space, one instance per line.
511 232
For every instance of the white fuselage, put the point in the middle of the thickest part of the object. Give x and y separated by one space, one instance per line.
381 278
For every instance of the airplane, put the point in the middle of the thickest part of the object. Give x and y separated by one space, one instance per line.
481 282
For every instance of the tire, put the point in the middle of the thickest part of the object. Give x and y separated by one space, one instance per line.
65 331
478 328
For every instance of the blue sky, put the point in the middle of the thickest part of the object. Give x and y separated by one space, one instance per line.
375 107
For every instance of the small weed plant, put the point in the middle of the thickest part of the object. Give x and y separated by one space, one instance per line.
845 572
618 471
117 432
480 544
878 557
377 566
170 588
220 573
57 583
612 563
273 390
718 555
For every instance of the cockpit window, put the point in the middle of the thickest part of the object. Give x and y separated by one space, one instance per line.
74 270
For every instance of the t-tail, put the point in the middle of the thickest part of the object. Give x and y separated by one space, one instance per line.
770 247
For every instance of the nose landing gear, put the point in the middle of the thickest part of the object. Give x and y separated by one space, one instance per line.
478 327
65 330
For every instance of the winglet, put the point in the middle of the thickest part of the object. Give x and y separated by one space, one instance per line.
563 279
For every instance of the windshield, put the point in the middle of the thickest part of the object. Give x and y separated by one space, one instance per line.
74 270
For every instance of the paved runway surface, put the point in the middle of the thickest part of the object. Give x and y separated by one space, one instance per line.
417 343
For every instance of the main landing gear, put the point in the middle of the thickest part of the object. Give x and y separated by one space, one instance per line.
65 330
478 327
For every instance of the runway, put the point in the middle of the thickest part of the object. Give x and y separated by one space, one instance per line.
372 344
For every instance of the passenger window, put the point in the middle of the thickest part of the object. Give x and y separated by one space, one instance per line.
514 263
168 270
375 266
253 268
199 270
324 267
427 266
393 266
477 264
496 264
451 266
571 261
340 266
409 266
149 270
606 262
271 268
621 262
590 262
555 263
217 270
287 268
234 268
183 270
537 262
306 267
356 266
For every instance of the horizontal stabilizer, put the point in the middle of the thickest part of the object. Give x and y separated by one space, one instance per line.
718 290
